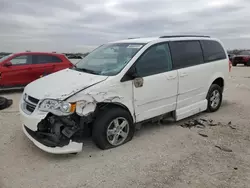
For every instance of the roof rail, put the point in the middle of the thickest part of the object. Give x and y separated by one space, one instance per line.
176 36
133 37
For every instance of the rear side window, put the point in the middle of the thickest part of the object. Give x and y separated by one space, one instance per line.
212 51
186 53
43 59
155 60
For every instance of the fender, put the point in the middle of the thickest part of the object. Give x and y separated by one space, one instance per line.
86 103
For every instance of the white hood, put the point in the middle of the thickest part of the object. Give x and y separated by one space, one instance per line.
62 84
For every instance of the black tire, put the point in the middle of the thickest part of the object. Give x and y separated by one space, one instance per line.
100 126
245 64
5 103
248 63
210 107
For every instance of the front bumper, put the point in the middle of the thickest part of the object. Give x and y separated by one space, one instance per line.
30 121
72 147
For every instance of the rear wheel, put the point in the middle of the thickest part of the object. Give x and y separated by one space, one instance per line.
113 127
248 63
214 98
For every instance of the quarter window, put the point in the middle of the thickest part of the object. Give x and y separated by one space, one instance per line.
212 50
186 53
156 60
56 59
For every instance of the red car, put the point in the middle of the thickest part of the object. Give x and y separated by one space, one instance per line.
18 70
242 58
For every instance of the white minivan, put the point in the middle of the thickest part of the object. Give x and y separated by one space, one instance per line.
120 85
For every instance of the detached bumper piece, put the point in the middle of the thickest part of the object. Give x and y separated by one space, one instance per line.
46 139
72 147
57 135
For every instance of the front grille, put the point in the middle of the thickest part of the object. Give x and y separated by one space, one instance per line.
30 108
30 104
33 100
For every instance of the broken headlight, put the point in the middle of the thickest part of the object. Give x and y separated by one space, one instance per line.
57 107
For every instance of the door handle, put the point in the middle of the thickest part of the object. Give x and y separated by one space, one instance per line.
183 74
171 77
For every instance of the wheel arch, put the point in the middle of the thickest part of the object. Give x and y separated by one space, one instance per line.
220 82
105 105
217 78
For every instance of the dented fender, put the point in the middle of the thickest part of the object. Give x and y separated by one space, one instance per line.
86 102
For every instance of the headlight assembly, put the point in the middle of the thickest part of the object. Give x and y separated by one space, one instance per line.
57 107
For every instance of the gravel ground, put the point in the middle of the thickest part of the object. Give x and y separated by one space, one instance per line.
162 155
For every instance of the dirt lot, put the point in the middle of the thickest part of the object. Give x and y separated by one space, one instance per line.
165 155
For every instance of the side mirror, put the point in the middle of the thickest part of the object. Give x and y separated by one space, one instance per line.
7 64
132 73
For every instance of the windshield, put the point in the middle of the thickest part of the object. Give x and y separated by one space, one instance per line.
244 53
5 57
108 59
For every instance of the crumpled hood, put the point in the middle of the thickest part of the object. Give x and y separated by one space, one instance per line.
62 84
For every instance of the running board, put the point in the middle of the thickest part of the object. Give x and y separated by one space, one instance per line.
191 110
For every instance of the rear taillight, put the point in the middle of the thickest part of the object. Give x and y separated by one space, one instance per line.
229 65
246 59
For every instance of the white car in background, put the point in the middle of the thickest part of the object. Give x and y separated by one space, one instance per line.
121 84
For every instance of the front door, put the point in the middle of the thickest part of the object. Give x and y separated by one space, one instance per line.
155 88
18 74
42 65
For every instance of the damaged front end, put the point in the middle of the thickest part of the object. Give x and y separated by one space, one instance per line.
59 126
63 134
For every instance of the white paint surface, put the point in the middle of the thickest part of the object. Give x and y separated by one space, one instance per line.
183 91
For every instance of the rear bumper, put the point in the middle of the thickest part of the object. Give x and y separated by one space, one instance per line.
72 147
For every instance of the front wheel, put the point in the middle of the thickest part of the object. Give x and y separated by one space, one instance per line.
214 98
113 127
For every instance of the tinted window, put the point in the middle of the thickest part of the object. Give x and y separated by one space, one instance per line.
56 59
21 60
186 53
156 60
212 50
42 59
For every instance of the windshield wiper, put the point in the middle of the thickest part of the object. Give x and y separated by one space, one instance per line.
86 70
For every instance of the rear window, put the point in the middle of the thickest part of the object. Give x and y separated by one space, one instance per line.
186 53
212 50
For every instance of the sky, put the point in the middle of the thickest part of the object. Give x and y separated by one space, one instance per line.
81 25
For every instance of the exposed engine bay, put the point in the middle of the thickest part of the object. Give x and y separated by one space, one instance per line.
54 131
